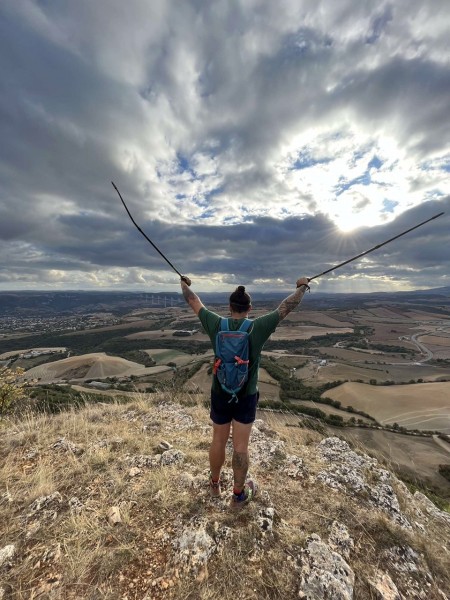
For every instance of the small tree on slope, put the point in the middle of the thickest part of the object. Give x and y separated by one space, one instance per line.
10 388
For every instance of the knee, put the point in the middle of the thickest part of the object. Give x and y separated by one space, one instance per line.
219 441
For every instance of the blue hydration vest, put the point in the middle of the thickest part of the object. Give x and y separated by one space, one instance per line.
232 357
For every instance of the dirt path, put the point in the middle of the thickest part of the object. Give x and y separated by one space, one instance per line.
441 443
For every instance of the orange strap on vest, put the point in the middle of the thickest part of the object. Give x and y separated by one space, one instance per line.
239 361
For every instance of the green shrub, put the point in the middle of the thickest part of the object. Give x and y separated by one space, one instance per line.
56 398
10 389
444 470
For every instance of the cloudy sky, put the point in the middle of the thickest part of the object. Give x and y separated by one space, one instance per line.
254 141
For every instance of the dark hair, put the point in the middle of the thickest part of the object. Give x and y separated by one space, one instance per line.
240 300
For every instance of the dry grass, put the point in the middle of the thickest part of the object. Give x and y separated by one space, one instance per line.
70 549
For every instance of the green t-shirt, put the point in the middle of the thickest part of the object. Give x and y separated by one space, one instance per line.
259 333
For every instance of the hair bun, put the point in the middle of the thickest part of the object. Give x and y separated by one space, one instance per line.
240 289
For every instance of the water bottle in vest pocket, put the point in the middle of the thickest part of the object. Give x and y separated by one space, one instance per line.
232 356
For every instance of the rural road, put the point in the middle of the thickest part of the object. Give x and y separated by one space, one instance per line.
422 348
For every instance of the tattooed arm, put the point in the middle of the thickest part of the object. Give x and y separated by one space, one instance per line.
294 299
192 299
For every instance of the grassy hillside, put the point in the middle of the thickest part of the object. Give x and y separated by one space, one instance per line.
111 501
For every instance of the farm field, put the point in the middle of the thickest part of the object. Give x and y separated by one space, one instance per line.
438 343
424 406
162 356
89 366
201 381
383 332
314 374
324 319
399 373
305 332
442 339
159 334
362 357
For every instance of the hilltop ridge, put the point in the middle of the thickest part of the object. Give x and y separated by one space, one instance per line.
111 502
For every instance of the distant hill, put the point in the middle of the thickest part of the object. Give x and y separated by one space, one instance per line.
45 304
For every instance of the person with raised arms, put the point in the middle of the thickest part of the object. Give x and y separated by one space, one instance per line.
237 342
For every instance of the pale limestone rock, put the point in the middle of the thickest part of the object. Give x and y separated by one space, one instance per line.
114 517
49 504
383 587
263 450
194 546
265 519
186 480
431 509
75 504
342 477
324 574
143 461
112 444
7 554
333 449
164 445
65 445
404 559
172 457
339 539
32 454
134 472
295 467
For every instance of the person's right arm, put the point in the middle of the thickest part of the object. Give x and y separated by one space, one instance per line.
294 299
192 299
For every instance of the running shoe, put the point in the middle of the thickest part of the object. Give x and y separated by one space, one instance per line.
238 501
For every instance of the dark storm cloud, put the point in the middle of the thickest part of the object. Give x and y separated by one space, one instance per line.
264 249
416 87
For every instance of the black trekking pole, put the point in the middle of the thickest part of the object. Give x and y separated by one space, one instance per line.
374 248
143 233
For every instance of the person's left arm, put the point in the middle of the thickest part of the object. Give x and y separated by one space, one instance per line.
192 299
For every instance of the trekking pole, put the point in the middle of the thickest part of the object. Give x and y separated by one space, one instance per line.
143 233
374 248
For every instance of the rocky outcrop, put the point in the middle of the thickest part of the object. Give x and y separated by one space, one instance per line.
431 509
359 474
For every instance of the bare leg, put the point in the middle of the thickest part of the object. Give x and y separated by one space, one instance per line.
217 448
241 436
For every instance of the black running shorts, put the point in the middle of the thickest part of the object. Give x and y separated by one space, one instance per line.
223 411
